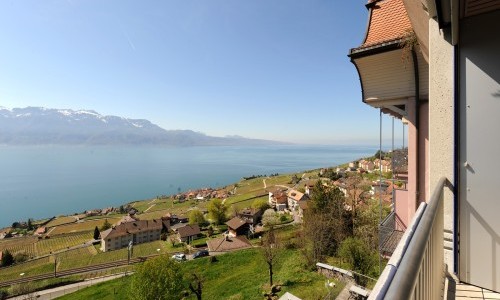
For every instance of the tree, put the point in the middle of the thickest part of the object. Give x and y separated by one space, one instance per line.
7 258
196 217
269 218
106 225
357 193
97 233
360 258
159 278
217 211
30 224
260 204
325 223
271 250
196 285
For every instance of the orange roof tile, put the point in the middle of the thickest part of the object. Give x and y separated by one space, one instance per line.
388 22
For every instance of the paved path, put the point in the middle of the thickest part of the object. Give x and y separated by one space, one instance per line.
153 205
67 289
264 181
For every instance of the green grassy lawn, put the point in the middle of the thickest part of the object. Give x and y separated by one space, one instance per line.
31 268
236 275
279 180
109 290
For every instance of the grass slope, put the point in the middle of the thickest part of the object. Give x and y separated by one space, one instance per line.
236 275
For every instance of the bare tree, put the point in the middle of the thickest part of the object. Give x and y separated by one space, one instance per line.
196 285
357 194
271 250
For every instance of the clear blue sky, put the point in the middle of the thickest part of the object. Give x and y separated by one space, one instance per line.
272 69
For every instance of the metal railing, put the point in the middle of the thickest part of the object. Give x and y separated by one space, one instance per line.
416 269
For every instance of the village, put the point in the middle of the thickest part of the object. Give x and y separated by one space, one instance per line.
191 224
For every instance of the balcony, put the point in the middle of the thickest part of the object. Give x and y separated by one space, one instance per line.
416 269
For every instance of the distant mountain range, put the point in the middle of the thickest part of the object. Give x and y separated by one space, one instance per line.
44 126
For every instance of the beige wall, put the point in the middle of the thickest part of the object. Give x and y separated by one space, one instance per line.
441 124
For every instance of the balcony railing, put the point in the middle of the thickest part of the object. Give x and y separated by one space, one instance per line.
416 268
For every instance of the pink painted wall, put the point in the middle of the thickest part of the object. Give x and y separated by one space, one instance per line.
401 208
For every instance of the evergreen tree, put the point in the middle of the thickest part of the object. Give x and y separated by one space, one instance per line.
7 258
97 233
106 225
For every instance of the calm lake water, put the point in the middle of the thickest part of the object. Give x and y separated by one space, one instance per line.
40 182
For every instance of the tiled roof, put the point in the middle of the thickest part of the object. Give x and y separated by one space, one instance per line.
235 223
228 243
388 22
131 227
295 195
188 230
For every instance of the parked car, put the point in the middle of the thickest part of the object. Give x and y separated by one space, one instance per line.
200 253
179 256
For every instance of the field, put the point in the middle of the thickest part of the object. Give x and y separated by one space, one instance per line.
33 247
91 256
236 275
34 267
60 221
83 226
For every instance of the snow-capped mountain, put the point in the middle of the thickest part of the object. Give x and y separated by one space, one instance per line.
38 126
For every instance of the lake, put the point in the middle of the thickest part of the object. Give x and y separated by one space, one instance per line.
45 181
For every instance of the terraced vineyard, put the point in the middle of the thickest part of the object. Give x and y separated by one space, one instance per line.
24 245
83 226
33 247
87 256
61 242
61 220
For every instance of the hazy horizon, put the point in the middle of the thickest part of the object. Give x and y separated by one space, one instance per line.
258 69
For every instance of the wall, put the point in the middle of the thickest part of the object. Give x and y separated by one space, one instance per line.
441 126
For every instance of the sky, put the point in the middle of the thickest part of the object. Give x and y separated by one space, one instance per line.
269 69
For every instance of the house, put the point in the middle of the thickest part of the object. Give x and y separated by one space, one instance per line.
301 208
188 233
228 243
434 65
309 186
127 219
237 226
294 197
138 232
40 230
366 165
278 199
252 216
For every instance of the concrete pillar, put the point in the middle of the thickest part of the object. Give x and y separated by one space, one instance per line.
441 126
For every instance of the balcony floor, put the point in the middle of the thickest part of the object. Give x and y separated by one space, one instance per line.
462 291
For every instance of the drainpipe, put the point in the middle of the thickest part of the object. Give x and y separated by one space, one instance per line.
417 121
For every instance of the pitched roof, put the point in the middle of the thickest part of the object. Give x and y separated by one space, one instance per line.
281 199
388 22
227 243
295 195
188 230
131 228
235 223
